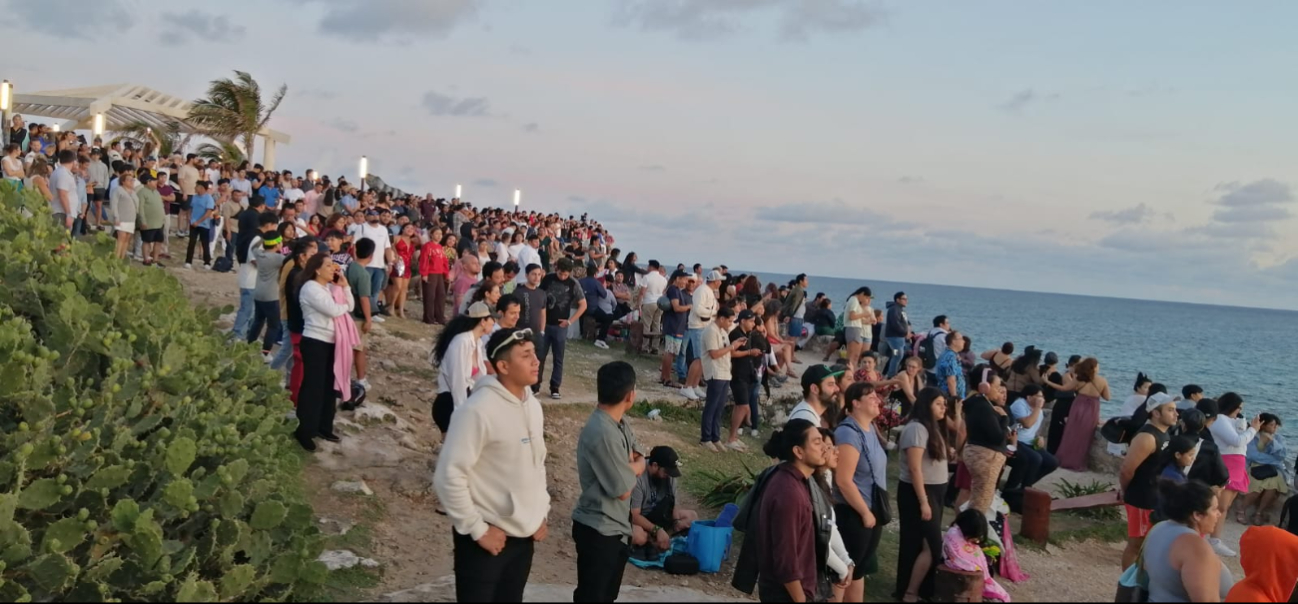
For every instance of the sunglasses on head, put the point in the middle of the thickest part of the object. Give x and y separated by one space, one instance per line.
518 336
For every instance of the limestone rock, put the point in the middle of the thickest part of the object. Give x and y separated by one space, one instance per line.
343 559
358 486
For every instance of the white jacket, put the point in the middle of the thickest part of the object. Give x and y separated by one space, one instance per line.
319 311
456 373
1229 439
491 470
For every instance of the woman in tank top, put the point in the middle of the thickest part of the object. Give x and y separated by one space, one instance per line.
1182 567
1084 416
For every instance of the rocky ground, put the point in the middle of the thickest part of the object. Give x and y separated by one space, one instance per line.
373 491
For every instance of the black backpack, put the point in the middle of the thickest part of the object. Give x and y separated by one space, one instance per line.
223 265
928 352
1289 515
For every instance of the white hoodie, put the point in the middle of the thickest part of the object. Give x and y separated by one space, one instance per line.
492 467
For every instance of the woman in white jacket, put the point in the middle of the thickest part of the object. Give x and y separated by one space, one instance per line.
316 399
1232 436
461 361
125 209
838 559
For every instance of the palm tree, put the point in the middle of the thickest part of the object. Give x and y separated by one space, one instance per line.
221 151
234 111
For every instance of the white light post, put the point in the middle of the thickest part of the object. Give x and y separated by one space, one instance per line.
6 99
518 198
98 125
365 171
458 189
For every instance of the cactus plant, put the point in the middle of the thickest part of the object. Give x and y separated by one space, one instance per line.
141 456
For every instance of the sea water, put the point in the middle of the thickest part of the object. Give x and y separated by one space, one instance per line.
1249 351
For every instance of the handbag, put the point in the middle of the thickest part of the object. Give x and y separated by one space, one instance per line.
1263 472
880 504
1133 585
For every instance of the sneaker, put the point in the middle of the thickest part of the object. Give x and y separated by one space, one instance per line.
554 394
207 267
267 357
737 445
365 383
710 447
601 344
1221 549
753 433
689 394
378 319
189 267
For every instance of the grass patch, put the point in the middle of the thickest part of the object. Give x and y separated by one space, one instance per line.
1068 527
421 372
350 585
360 540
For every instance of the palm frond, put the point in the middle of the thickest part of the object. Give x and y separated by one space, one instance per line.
233 110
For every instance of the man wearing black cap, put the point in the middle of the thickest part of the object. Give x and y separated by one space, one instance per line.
655 517
819 393
673 326
743 375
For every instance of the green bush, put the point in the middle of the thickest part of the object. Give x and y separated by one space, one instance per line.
141 456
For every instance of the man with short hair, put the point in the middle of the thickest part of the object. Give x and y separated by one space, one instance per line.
896 332
608 466
202 210
1191 394
941 327
652 287
358 277
655 515
241 182
528 255
383 254
188 176
950 374
673 327
533 300
491 476
63 184
717 349
153 219
1138 479
565 304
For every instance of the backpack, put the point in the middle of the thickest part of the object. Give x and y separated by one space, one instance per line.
223 265
928 352
1289 515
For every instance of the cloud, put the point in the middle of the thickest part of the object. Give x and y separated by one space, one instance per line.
831 212
911 180
1023 98
394 20
522 51
445 105
72 19
199 25
531 127
1260 201
654 168
485 182
1135 215
699 20
342 125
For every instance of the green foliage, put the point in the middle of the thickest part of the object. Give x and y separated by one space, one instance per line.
1069 490
141 457
727 488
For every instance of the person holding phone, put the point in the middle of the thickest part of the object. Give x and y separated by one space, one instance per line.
717 351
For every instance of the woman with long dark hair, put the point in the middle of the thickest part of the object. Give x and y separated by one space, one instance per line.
1233 434
320 280
1001 359
1084 416
433 270
862 468
406 243
631 269
290 344
925 445
1024 371
461 361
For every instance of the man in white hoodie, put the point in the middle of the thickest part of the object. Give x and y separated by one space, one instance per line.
491 475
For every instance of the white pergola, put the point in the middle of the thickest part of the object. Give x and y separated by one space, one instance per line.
123 105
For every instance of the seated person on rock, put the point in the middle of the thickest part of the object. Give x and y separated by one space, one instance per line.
655 517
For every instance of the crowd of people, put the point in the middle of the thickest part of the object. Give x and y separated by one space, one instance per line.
320 261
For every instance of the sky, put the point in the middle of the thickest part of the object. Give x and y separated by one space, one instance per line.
1140 150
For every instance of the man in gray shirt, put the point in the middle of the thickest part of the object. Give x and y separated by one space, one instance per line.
654 514
265 296
607 467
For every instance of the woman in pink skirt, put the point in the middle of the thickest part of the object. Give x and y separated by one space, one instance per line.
1079 431
1232 435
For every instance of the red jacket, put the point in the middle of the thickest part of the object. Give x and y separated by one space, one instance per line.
432 260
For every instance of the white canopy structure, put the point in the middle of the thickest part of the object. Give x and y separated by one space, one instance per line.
122 105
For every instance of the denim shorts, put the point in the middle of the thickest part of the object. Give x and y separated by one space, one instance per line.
695 339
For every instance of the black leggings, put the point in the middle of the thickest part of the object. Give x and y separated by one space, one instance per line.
316 401
915 531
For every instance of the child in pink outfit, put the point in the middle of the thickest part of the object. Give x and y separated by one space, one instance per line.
962 548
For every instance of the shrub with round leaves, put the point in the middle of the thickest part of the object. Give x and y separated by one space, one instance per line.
142 457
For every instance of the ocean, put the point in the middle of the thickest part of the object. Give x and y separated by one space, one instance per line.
1220 348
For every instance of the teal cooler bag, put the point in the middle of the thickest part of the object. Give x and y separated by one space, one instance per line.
709 544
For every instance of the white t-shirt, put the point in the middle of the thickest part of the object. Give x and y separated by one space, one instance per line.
1130 405
853 307
382 241
715 338
526 256
803 410
63 180
212 175
248 272
294 194
655 285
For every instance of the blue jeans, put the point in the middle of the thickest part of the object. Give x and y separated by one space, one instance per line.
678 363
557 338
243 318
1029 465
718 392
229 248
265 313
896 351
755 406
378 278
284 355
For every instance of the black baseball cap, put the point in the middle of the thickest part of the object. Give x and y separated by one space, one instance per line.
816 374
747 315
667 459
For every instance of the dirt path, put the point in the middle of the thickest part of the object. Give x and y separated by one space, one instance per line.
391 445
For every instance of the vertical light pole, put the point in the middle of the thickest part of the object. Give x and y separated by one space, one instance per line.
457 191
57 128
98 125
6 100
518 199
365 171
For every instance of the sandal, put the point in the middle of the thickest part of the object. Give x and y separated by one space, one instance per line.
1241 517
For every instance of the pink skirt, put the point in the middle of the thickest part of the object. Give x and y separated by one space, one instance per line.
1238 467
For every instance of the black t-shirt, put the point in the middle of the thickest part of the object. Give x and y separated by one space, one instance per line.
533 302
296 324
742 369
986 428
561 298
248 229
1142 492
